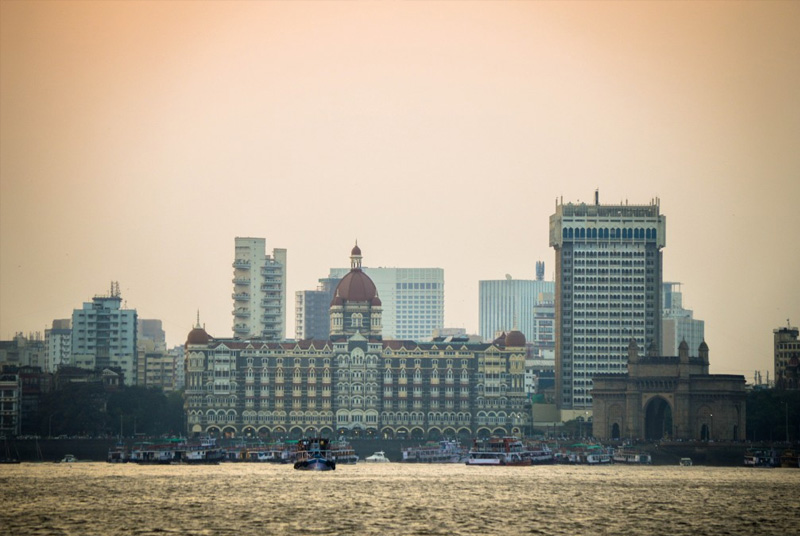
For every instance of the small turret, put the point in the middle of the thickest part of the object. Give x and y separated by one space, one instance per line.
633 351
702 351
683 351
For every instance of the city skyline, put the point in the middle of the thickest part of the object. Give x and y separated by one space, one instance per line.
137 140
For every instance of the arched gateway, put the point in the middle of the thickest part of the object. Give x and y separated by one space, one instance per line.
669 397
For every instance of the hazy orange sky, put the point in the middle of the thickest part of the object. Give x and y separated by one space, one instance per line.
137 139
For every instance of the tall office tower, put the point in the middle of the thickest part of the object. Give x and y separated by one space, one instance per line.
608 291
506 304
787 356
413 300
58 345
259 291
678 324
312 311
104 335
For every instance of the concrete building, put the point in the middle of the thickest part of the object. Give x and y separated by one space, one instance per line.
178 366
786 347
413 300
356 383
311 307
259 290
506 304
608 290
669 397
10 395
58 345
678 324
105 335
23 350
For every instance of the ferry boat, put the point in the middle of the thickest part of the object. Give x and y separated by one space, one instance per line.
445 451
761 458
505 451
632 457
342 452
277 453
313 454
789 458
117 454
178 451
377 457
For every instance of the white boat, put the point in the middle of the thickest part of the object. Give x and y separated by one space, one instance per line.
342 452
507 451
178 451
632 457
686 462
68 458
378 457
445 451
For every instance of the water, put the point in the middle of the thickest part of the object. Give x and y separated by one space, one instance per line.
265 499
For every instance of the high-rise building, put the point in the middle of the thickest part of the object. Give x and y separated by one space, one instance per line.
58 345
104 335
259 291
311 308
608 292
678 324
787 356
506 304
413 300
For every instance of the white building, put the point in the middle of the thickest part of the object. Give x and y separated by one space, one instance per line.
259 291
608 291
506 304
412 298
58 345
678 324
104 335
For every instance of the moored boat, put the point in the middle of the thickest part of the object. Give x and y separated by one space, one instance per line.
761 458
342 452
685 462
178 451
377 457
506 451
445 451
633 457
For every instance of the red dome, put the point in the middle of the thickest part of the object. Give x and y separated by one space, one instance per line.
198 336
356 286
515 339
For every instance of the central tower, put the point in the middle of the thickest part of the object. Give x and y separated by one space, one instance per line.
355 307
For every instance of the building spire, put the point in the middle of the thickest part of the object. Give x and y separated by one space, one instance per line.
197 325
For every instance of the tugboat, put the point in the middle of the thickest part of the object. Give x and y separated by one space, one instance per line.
314 454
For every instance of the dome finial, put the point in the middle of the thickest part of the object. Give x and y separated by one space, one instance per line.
197 325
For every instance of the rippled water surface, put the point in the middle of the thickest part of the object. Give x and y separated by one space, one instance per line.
100 498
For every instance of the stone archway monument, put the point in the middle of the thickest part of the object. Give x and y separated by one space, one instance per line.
669 397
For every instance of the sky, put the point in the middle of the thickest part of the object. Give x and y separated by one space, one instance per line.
137 139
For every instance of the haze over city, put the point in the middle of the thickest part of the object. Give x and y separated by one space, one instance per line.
138 139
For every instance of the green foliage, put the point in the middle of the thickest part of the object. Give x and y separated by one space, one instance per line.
767 412
81 409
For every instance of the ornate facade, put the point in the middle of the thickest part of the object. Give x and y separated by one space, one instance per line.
669 397
355 383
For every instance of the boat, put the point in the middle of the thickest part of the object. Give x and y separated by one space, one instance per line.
445 451
343 453
761 458
685 462
313 454
178 451
68 458
632 457
117 454
506 451
584 454
789 459
377 457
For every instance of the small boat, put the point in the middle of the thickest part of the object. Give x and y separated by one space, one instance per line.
68 458
686 462
313 454
117 454
445 451
761 458
789 458
377 457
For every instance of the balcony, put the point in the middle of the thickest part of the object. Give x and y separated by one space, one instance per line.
241 281
240 328
271 304
241 297
241 264
241 313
